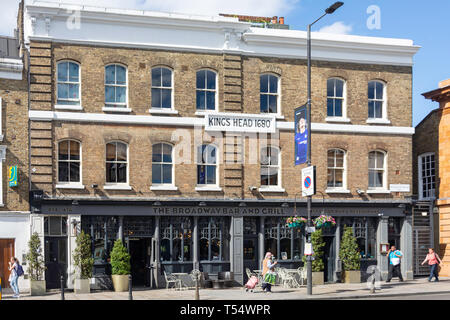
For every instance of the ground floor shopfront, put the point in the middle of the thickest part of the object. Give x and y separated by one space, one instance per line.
213 236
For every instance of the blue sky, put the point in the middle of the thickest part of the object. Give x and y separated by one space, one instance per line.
425 22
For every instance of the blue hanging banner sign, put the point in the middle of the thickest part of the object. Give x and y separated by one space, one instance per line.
13 176
301 135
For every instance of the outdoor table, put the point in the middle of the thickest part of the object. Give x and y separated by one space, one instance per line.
185 278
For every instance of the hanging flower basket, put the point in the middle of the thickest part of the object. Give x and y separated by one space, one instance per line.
324 221
295 222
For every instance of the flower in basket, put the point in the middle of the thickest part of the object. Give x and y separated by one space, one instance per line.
324 221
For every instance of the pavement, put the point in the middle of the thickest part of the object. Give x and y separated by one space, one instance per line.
417 287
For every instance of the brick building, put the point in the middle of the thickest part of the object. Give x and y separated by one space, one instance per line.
434 183
176 134
14 182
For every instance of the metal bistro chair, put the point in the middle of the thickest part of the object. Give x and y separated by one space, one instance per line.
302 274
248 272
288 279
172 279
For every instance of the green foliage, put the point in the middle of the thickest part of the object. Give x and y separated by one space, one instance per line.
318 244
120 259
348 253
36 264
82 255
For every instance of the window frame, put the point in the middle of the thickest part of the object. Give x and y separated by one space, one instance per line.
385 168
120 185
342 118
278 94
279 180
344 170
68 106
216 92
224 238
172 91
69 184
276 226
420 175
113 106
383 118
206 186
172 163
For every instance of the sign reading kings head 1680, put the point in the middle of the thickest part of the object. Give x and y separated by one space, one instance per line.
239 122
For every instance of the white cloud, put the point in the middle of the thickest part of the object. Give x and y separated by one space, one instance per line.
337 28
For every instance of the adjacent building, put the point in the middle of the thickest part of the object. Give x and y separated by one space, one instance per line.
175 133
14 169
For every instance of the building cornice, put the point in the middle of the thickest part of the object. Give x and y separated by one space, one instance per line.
11 68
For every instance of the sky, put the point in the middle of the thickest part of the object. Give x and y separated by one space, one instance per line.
424 22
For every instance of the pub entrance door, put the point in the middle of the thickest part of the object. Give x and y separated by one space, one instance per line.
140 250
329 257
55 261
250 245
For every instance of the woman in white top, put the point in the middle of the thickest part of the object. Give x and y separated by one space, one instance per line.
13 277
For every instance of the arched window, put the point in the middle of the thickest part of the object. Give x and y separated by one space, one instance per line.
162 164
115 86
270 167
116 162
68 83
162 88
377 170
69 161
269 93
206 90
207 165
427 176
335 97
377 100
336 169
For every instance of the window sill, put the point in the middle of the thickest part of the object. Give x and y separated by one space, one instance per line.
204 113
378 121
162 111
337 119
271 189
113 109
279 117
68 107
117 187
378 191
337 191
212 188
70 186
164 188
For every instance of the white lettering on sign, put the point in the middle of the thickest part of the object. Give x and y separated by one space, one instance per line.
399 188
240 122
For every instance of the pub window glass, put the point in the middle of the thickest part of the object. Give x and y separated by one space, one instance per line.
278 234
103 231
116 162
250 238
69 162
55 226
214 239
206 165
176 239
364 230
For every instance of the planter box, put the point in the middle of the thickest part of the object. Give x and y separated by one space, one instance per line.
120 282
351 276
317 278
82 286
37 287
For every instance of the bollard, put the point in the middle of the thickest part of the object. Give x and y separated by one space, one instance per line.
197 295
130 288
62 287
372 289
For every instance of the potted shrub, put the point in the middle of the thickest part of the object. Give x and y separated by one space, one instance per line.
317 263
36 266
83 261
120 264
350 257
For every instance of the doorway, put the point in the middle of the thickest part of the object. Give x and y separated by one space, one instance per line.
6 252
140 250
251 260
329 257
55 261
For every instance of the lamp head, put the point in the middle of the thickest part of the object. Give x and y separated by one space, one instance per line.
334 7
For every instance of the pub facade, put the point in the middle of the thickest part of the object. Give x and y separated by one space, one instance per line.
180 141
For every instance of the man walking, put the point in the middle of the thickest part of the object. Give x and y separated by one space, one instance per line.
395 257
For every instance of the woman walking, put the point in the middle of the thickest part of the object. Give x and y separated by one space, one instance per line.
433 261
13 276
268 273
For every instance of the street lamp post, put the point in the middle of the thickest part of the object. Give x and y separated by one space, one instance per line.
329 10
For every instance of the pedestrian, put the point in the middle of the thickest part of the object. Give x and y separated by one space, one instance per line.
433 261
395 257
13 276
268 273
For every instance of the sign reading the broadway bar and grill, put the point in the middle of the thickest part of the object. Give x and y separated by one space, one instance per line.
239 122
